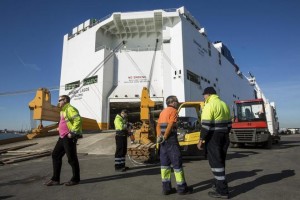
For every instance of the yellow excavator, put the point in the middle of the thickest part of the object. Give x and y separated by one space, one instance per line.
145 137
44 111
188 129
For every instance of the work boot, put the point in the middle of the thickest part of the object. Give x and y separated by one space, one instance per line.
214 188
188 190
71 183
167 192
215 194
124 169
51 183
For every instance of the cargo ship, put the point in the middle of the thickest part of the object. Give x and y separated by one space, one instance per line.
107 62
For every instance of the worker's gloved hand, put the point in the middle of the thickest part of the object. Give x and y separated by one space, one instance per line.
160 139
200 144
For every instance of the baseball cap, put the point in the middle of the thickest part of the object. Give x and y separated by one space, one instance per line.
209 90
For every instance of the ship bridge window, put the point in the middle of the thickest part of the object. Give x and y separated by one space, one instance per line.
193 77
209 48
72 85
90 80
220 62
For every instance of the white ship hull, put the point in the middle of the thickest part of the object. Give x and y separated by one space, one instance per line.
109 75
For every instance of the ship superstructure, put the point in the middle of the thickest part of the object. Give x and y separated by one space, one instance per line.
107 62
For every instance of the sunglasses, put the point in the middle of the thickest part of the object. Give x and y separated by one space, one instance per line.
60 100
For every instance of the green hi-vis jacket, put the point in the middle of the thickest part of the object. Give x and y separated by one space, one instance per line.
120 123
215 117
71 115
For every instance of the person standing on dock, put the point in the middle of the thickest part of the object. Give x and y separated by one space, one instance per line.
121 126
69 128
170 155
215 128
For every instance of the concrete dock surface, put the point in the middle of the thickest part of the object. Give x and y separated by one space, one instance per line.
252 173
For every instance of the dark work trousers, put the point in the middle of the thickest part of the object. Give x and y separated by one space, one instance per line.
170 156
217 145
65 146
121 150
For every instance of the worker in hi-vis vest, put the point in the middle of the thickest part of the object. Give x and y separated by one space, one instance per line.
170 154
69 128
215 128
121 140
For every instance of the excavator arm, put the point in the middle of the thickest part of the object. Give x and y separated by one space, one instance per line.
145 136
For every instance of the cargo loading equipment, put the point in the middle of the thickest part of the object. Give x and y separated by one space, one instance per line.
42 110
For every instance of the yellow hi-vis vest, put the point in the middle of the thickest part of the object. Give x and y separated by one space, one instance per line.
215 116
72 117
120 123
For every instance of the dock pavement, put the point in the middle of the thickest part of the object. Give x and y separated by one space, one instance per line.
252 173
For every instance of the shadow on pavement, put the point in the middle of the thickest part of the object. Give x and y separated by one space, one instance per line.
23 181
239 154
6 197
242 174
204 185
120 175
245 187
265 179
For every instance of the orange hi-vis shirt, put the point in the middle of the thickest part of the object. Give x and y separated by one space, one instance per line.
167 116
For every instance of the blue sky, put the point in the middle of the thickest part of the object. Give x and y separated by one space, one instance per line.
263 37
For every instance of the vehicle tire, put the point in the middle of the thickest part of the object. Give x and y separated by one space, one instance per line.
268 144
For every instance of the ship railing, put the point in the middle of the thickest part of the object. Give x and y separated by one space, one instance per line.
98 48
170 9
140 49
100 20
95 22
